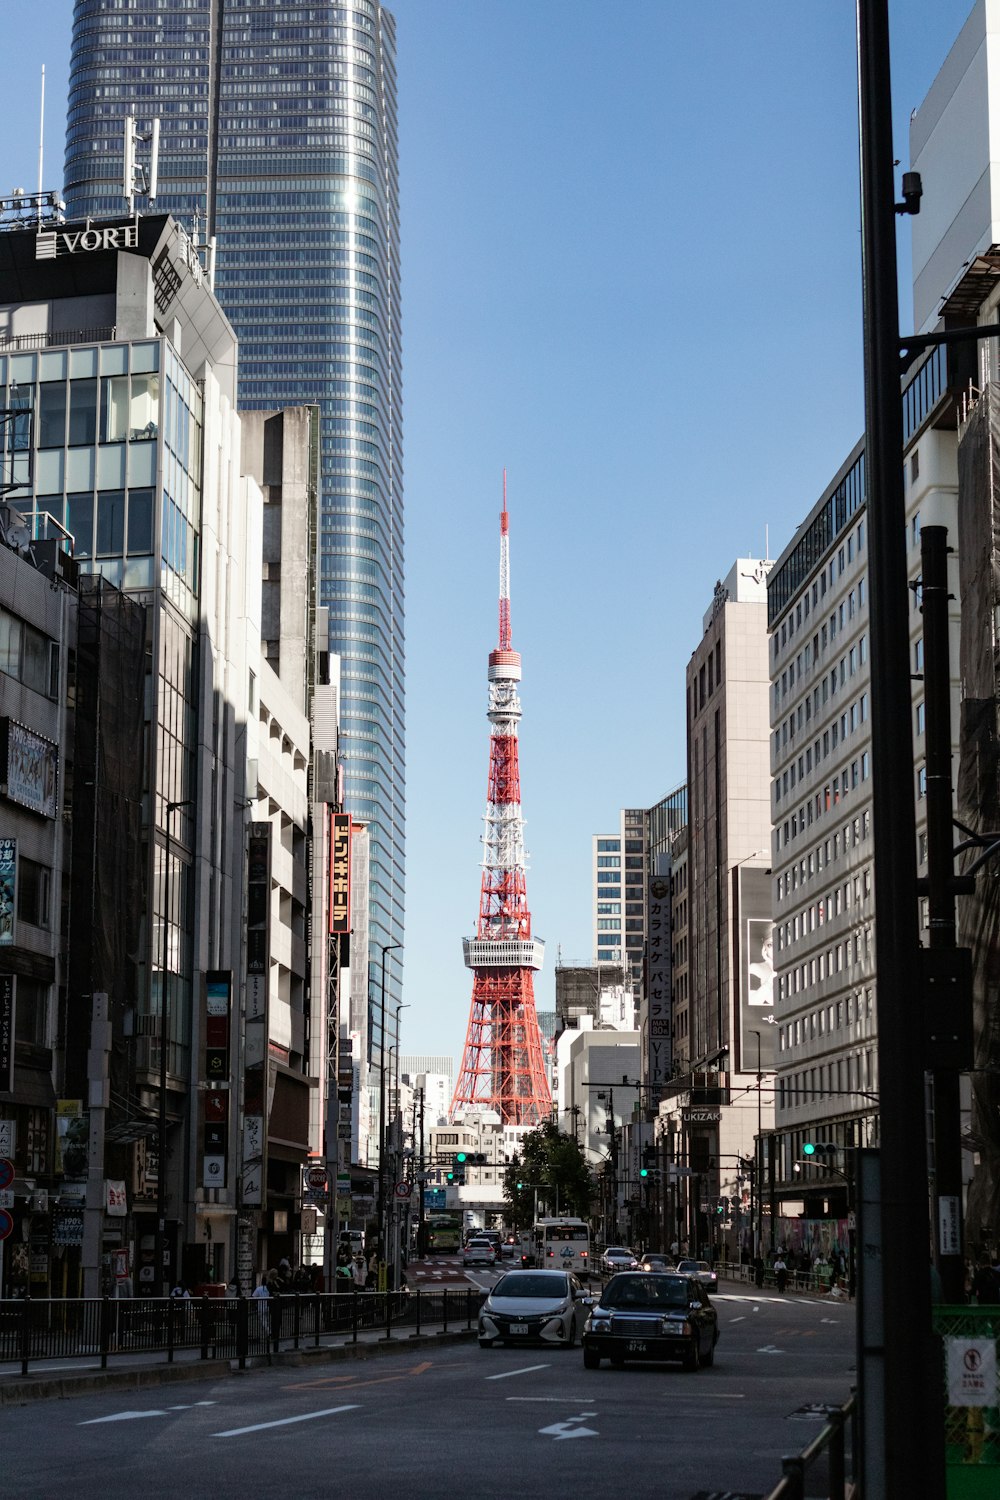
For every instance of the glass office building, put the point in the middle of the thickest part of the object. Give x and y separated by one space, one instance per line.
278 138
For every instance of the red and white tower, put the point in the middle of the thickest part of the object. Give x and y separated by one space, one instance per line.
502 1065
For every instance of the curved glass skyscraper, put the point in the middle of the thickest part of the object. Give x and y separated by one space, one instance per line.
278 136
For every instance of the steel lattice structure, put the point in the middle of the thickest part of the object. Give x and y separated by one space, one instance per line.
502 1064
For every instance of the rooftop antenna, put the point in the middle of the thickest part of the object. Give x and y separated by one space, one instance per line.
41 144
135 178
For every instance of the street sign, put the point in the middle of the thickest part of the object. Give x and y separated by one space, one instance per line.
403 1189
6 1223
8 1137
316 1178
6 1197
6 1173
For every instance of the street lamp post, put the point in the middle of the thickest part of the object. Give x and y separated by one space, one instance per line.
159 1278
385 948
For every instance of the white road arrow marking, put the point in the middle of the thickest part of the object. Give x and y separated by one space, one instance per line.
834 1321
567 1429
570 1428
770 1349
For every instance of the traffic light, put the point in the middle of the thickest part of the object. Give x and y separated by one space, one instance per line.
460 1158
643 1172
820 1148
475 1158
722 1208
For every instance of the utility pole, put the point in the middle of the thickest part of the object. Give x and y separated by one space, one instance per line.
901 1396
421 1230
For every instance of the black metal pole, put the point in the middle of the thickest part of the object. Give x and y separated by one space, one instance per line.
941 897
903 1444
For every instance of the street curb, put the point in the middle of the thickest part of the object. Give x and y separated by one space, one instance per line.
22 1390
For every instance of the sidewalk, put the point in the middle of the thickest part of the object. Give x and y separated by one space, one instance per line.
82 1375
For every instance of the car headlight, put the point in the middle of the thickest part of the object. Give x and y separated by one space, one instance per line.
599 1325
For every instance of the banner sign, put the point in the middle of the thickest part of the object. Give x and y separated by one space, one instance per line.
340 873
753 928
8 890
218 1007
253 1156
28 768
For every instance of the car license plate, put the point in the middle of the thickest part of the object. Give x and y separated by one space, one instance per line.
636 1346
519 1328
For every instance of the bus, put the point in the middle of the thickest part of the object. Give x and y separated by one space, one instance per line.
444 1232
563 1244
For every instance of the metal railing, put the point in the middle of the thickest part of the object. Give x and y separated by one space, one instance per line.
33 1330
13 342
832 1442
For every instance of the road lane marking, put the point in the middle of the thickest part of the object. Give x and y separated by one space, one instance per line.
770 1349
122 1416
309 1416
506 1374
740 1319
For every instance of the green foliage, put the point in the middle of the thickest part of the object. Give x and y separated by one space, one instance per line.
549 1161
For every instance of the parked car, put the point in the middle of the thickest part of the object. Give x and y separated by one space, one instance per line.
479 1253
547 1307
654 1262
656 1315
617 1258
700 1269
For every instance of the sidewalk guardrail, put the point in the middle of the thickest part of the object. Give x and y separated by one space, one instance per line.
831 1441
36 1329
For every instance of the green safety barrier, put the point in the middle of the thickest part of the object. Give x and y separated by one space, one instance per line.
970 1368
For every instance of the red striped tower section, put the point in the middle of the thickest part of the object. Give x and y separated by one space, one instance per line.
502 1064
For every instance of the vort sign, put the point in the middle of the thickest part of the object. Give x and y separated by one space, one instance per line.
49 244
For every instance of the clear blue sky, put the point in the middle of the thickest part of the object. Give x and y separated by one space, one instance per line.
631 275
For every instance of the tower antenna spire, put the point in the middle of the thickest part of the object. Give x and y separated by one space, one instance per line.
502 1064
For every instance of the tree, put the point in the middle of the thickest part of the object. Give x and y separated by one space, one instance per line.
555 1166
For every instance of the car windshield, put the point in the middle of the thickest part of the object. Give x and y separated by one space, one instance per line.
523 1284
694 1265
646 1291
618 1250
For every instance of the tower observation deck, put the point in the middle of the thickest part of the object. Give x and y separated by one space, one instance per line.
502 1065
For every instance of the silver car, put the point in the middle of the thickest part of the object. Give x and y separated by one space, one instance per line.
700 1270
548 1307
617 1258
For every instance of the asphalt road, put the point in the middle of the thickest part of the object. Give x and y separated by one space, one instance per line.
455 1421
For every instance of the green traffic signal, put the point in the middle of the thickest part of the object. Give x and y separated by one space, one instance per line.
643 1171
808 1149
460 1156
520 1184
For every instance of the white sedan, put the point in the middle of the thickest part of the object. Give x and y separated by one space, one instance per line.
479 1253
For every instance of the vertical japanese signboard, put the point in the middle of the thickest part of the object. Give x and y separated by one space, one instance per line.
658 975
253 1158
216 1075
7 1001
340 873
8 890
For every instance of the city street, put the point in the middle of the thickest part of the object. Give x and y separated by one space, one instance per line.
454 1420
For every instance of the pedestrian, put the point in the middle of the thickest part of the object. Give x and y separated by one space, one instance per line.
343 1271
261 1295
360 1272
780 1272
758 1270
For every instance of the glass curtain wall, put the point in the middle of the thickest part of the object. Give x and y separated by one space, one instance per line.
278 135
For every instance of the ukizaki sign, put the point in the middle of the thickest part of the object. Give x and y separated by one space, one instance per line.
657 1040
49 245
